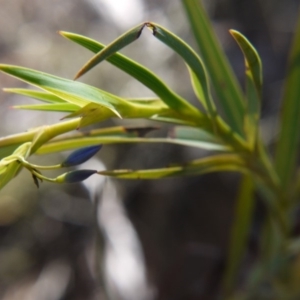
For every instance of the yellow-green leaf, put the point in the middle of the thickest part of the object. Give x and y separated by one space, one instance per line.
225 163
253 70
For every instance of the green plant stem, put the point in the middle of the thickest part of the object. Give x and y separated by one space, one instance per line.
29 166
51 130
41 177
261 164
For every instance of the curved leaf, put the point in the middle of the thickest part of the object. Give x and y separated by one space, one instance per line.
54 103
193 61
39 95
81 94
226 163
134 69
287 151
59 107
224 81
183 136
253 70
73 92
252 60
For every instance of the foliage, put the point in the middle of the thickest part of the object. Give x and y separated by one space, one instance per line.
230 132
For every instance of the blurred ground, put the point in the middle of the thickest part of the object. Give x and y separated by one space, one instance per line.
48 236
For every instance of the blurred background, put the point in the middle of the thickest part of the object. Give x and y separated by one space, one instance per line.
113 239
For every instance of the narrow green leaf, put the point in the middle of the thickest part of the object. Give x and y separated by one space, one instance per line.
289 138
239 233
226 163
252 59
197 87
124 40
55 103
81 94
39 95
253 70
73 92
137 71
180 136
59 107
134 69
221 75
193 61
73 143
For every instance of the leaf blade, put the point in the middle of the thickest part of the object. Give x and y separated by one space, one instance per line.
196 167
39 95
222 77
59 107
191 58
73 92
253 70
289 139
134 69
72 143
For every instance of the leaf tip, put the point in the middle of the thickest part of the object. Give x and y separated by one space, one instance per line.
79 74
61 32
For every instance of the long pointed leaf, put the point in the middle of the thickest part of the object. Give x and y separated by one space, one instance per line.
137 71
60 107
193 61
253 70
82 94
39 95
252 59
72 143
73 92
124 40
289 137
219 163
55 103
224 81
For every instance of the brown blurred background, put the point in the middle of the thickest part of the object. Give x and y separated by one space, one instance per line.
160 239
